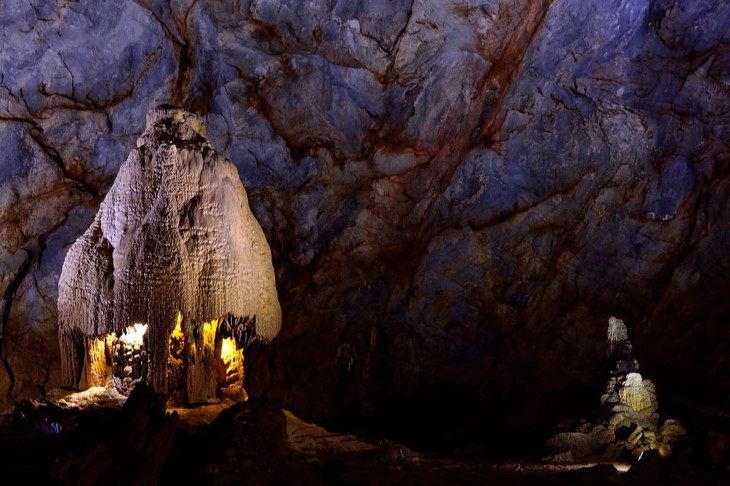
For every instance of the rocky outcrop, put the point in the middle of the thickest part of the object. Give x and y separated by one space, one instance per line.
141 433
457 195
174 244
247 440
629 424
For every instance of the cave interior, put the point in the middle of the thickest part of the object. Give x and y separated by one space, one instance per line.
441 241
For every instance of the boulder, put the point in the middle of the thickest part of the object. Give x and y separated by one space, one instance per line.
245 442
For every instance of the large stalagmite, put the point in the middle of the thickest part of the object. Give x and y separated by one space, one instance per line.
174 247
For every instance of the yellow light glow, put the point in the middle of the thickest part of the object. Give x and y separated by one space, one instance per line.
177 331
209 329
96 370
134 334
228 351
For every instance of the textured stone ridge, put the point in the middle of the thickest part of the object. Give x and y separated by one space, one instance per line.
174 234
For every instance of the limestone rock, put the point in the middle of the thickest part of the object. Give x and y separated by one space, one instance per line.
602 435
671 430
246 440
580 444
141 433
629 423
617 334
471 184
560 457
174 239
636 395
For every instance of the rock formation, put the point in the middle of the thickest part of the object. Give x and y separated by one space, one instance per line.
630 423
141 433
172 256
456 193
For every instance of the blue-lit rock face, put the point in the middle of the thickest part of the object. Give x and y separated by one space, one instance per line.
457 194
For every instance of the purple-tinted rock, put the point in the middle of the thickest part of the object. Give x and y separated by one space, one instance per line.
459 193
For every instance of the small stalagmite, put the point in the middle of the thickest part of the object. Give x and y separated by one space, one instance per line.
173 261
629 422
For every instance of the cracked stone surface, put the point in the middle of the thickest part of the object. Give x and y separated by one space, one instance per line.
457 194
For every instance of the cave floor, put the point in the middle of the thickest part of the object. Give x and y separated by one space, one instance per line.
311 454
315 455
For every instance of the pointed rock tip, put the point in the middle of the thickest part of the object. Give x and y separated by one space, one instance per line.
175 115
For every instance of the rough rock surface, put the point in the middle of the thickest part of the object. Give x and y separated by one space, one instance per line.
457 193
142 434
173 236
247 439
629 424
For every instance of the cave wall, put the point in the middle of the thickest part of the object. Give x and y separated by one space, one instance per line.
457 193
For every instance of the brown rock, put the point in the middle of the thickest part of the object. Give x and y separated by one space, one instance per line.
141 434
581 445
672 430
602 435
246 441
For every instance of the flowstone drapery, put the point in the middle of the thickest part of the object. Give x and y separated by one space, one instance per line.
174 276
